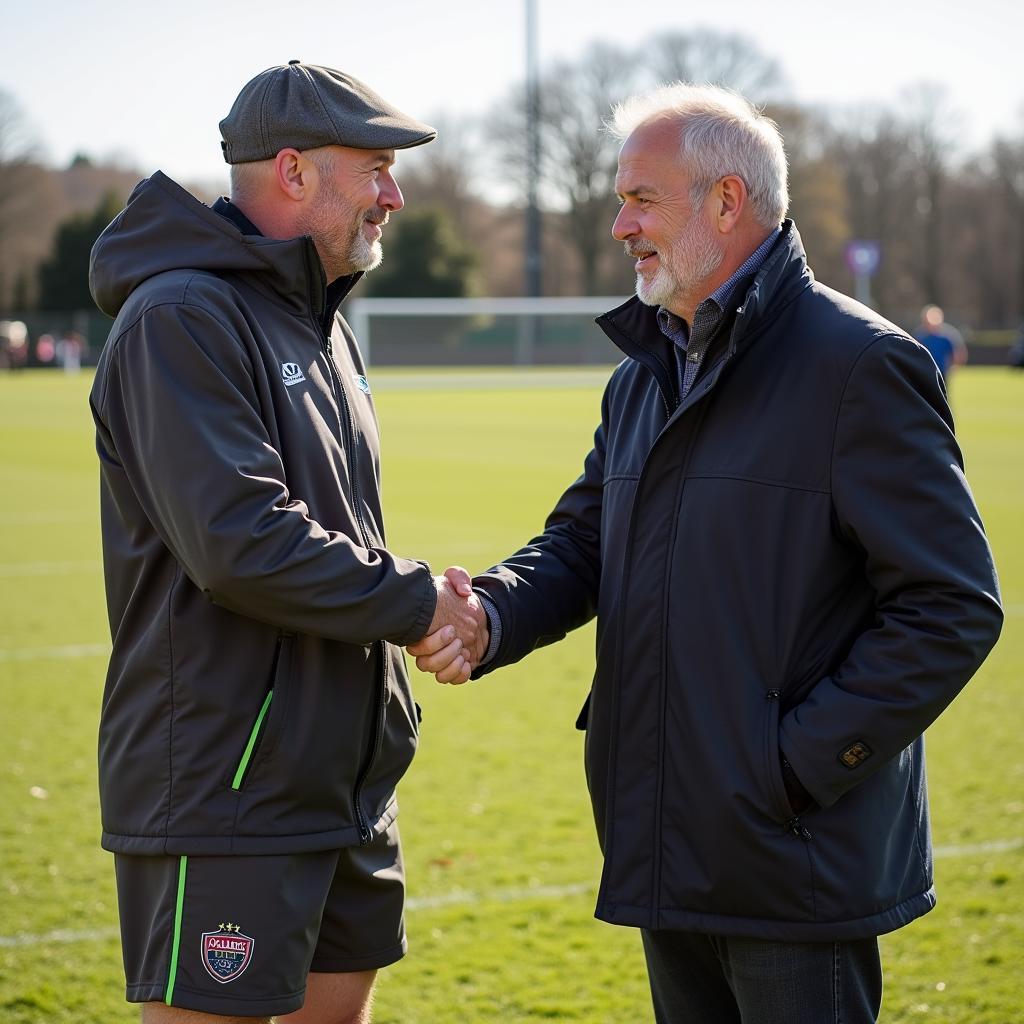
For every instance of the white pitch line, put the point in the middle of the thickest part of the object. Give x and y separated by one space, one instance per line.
459 898
37 517
465 898
61 935
9 569
510 380
968 849
42 653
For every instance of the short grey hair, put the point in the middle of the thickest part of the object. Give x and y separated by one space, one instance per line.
721 133
251 178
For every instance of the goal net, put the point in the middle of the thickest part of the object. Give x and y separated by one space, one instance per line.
482 332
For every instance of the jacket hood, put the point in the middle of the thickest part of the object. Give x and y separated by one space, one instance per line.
164 227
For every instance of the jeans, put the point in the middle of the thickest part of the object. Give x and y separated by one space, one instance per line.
711 979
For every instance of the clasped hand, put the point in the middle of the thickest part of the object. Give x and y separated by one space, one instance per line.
458 634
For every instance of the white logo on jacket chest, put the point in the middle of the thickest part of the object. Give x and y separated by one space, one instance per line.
291 373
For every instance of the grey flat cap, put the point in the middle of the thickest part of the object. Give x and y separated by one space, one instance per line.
303 106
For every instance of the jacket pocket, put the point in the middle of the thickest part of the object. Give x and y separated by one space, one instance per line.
778 803
269 721
583 718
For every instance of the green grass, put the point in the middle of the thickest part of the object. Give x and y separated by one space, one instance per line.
494 812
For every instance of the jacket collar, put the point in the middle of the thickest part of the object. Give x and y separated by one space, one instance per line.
633 326
324 301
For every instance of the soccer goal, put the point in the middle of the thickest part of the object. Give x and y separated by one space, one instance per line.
483 332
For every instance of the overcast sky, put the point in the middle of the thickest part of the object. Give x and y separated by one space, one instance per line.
150 81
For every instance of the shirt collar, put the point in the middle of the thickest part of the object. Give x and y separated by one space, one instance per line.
672 324
228 209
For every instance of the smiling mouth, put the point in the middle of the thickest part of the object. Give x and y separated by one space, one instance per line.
641 252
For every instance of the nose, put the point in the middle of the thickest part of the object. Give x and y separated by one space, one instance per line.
624 224
390 194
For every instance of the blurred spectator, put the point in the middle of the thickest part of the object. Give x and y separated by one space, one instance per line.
13 344
944 342
69 351
46 349
1017 349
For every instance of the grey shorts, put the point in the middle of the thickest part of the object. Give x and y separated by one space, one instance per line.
237 936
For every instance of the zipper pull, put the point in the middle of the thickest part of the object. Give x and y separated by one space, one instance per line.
799 829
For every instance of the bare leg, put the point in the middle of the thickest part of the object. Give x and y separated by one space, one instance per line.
335 999
158 1013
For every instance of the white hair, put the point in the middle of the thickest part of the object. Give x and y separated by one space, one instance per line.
720 133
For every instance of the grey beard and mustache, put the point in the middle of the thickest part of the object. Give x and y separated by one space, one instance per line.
363 254
337 230
689 261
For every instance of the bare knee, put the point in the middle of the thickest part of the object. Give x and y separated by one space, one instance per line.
335 999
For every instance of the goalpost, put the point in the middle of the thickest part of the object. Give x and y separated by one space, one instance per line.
483 331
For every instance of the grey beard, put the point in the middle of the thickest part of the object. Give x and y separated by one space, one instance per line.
364 255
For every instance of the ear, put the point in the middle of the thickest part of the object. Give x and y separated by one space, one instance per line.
730 195
293 174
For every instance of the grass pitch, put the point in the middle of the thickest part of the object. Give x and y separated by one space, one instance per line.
501 856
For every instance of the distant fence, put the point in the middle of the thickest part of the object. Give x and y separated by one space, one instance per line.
49 328
447 332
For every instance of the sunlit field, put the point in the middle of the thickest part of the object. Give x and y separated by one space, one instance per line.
501 857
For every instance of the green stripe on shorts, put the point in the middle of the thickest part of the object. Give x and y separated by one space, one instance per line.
172 974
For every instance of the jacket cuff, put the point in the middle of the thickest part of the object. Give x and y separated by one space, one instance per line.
424 613
493 626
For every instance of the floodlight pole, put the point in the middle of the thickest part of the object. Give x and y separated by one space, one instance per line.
532 236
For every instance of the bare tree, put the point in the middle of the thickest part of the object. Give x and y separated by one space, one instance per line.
1008 164
817 192
872 147
929 123
19 175
728 59
578 159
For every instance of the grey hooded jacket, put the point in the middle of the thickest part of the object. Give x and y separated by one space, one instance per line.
255 701
788 560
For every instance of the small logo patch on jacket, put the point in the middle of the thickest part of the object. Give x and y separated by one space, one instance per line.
291 373
362 383
226 952
856 754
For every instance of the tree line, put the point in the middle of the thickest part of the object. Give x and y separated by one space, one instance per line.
949 223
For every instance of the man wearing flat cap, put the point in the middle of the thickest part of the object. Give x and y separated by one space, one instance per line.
257 715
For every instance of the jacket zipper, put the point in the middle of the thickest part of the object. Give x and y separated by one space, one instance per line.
799 829
348 439
613 746
794 825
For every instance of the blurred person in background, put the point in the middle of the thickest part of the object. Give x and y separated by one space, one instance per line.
945 344
70 347
1016 355
14 344
257 714
790 581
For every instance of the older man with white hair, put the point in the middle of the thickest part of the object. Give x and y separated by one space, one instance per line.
790 579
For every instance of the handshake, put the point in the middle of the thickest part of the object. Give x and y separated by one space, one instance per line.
458 635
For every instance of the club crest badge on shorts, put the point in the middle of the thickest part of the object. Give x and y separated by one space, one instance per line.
226 952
